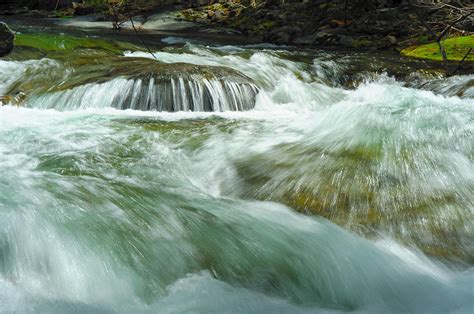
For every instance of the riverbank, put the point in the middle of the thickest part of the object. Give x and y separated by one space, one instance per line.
364 26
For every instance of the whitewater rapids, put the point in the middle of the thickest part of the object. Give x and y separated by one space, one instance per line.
104 210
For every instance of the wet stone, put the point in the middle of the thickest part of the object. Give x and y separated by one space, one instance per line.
7 38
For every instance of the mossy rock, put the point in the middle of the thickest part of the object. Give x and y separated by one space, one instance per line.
346 187
456 48
188 134
51 43
145 69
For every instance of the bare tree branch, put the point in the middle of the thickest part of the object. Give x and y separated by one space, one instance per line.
457 13
462 61
460 19
141 39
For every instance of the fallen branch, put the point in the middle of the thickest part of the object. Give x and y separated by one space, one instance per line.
460 19
432 33
462 61
137 33
465 13
141 39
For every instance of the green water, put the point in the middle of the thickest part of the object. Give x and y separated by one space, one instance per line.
314 199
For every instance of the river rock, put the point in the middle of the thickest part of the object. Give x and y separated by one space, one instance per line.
323 35
346 41
282 38
392 39
283 35
304 40
7 39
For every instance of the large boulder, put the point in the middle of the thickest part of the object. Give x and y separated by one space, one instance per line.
7 39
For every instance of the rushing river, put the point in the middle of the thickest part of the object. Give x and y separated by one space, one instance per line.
231 179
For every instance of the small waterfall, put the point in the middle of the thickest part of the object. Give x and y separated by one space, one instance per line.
172 94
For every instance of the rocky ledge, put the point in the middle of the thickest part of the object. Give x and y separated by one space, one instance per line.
7 39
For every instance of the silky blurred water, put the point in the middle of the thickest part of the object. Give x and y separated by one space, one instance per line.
316 198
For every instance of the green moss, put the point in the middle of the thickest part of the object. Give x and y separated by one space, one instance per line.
48 42
455 47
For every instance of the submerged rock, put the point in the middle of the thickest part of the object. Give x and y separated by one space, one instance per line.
145 84
7 38
348 185
17 100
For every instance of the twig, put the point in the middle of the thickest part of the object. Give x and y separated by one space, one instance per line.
439 38
138 34
141 39
433 34
422 20
460 19
462 61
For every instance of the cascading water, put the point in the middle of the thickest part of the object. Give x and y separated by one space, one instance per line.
105 210
199 94
208 89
